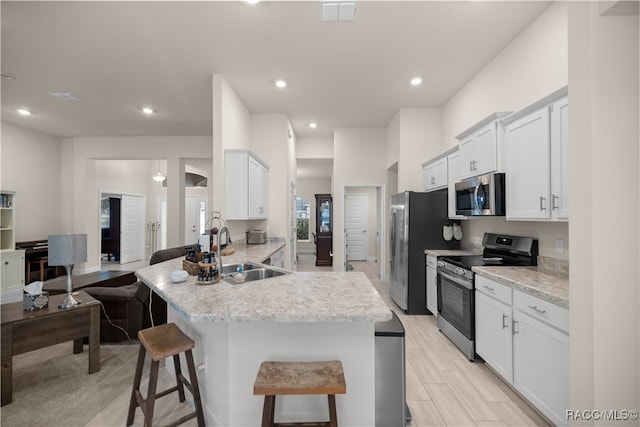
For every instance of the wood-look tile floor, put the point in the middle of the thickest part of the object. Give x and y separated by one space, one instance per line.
443 387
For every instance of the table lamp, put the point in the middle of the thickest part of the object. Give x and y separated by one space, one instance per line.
67 250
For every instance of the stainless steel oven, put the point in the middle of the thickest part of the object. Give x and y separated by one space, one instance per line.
456 290
456 306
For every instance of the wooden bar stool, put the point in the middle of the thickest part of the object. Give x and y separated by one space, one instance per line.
161 342
278 378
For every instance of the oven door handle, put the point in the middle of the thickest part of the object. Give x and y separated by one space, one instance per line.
464 283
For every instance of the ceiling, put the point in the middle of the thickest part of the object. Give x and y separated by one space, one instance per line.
117 57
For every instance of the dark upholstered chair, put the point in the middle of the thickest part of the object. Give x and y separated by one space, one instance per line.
128 306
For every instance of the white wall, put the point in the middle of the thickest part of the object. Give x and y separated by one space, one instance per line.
533 65
30 166
368 145
420 139
231 129
605 204
269 140
314 147
393 141
81 180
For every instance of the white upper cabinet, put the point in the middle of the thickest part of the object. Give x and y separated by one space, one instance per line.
453 161
560 159
536 144
435 174
481 147
246 185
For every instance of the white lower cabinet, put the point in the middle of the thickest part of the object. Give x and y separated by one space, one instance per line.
432 285
277 259
541 355
12 275
526 341
494 342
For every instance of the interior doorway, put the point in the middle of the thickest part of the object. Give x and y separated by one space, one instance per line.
363 231
122 227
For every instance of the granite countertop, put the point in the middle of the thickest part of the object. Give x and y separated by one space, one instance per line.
452 252
550 285
252 253
297 297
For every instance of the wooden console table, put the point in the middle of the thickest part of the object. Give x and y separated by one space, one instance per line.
24 331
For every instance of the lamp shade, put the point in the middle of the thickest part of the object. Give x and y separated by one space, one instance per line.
67 249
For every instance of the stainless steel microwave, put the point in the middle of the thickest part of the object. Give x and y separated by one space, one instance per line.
481 195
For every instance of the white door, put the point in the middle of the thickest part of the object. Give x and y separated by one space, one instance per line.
191 220
355 226
132 228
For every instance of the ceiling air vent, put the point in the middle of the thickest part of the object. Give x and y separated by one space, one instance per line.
64 96
338 10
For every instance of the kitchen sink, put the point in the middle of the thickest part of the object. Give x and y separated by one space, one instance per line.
246 266
252 272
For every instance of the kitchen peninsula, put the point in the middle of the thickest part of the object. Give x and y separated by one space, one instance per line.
297 316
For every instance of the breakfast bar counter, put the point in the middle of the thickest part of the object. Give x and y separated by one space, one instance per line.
302 316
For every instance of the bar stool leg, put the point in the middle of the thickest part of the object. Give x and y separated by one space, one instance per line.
133 402
333 416
151 394
178 370
195 388
268 411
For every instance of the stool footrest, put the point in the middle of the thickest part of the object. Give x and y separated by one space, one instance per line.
167 391
183 420
310 424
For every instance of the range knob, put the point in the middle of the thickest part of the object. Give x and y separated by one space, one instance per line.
440 263
460 271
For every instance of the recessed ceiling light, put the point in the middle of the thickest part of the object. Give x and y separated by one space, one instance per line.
253 1
281 84
416 81
313 125
147 110
24 111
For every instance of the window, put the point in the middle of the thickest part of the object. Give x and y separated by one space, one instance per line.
302 219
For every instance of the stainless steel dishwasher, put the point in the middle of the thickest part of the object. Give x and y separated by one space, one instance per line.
391 406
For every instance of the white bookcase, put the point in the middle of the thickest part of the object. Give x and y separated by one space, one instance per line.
11 260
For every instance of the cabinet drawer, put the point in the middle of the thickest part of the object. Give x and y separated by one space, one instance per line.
547 312
497 290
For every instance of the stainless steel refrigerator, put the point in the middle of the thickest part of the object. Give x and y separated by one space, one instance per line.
416 225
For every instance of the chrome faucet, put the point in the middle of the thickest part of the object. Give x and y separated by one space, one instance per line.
223 229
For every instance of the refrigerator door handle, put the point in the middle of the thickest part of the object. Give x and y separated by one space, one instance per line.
392 232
